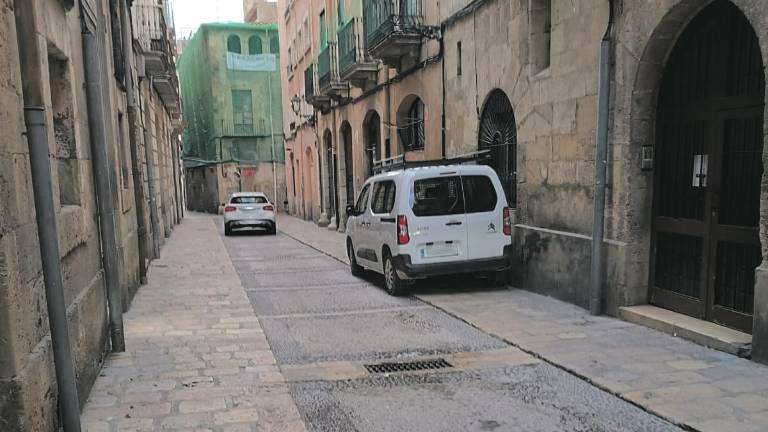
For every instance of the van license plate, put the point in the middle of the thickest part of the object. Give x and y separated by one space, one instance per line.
439 251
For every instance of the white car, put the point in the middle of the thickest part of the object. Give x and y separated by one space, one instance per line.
421 222
249 210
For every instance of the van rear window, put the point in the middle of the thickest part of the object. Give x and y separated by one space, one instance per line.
479 193
437 196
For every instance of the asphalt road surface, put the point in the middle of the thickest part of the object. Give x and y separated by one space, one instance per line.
326 326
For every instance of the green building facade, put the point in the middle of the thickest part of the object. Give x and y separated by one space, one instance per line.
230 88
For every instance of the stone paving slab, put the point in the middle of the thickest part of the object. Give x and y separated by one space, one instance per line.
689 384
197 358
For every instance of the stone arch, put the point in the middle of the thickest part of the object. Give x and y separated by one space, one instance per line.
346 154
636 168
332 203
410 123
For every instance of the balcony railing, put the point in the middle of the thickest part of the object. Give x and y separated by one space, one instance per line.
384 18
354 62
309 82
149 27
248 127
324 67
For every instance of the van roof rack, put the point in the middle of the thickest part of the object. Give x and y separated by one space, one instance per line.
399 163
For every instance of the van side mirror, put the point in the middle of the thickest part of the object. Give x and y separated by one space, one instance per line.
351 210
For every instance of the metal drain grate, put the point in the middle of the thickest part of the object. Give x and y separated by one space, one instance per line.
419 365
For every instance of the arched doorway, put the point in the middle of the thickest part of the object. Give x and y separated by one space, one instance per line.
349 174
709 145
372 128
330 157
498 134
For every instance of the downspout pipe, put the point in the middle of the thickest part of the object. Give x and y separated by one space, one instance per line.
601 168
442 112
37 139
95 93
138 185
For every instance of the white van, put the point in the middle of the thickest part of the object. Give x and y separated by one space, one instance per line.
420 222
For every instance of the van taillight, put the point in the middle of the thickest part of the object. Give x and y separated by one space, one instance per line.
268 208
402 230
229 209
507 222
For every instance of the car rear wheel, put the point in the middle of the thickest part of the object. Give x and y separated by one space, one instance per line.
394 285
227 230
354 267
272 230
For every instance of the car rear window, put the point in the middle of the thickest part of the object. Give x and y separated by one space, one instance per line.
437 196
249 200
479 194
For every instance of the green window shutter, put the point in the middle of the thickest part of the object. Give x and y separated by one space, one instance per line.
254 45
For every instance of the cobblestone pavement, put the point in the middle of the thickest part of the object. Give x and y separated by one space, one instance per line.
689 384
197 358
327 327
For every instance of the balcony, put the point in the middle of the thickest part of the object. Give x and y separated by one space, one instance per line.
247 127
393 29
328 73
355 65
150 30
314 98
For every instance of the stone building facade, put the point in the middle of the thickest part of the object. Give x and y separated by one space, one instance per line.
260 11
232 100
520 80
28 390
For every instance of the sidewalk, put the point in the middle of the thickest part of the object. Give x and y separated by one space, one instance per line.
196 358
685 383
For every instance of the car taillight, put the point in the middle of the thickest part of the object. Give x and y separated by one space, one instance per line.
507 222
268 208
229 209
402 230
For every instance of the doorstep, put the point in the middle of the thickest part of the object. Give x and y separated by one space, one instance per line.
695 330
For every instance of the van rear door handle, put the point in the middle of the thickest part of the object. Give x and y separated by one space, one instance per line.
453 223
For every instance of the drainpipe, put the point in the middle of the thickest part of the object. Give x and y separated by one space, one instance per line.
150 160
442 63
138 187
601 168
96 96
37 139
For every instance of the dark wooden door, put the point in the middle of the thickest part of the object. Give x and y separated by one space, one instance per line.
709 168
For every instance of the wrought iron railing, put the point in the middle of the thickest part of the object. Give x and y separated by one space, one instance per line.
386 17
351 44
309 81
246 127
324 67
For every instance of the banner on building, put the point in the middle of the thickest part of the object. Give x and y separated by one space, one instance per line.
252 63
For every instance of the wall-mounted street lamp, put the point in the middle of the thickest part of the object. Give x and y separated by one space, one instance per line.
296 103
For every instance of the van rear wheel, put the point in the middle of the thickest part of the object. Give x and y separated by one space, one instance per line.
392 282
498 279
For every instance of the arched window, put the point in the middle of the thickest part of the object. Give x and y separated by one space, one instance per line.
498 135
254 45
233 44
274 45
411 124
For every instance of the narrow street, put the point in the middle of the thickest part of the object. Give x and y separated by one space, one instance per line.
325 326
197 356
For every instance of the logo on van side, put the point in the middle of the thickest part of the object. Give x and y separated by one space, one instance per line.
491 227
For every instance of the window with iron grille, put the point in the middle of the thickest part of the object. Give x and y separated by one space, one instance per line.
242 108
411 127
